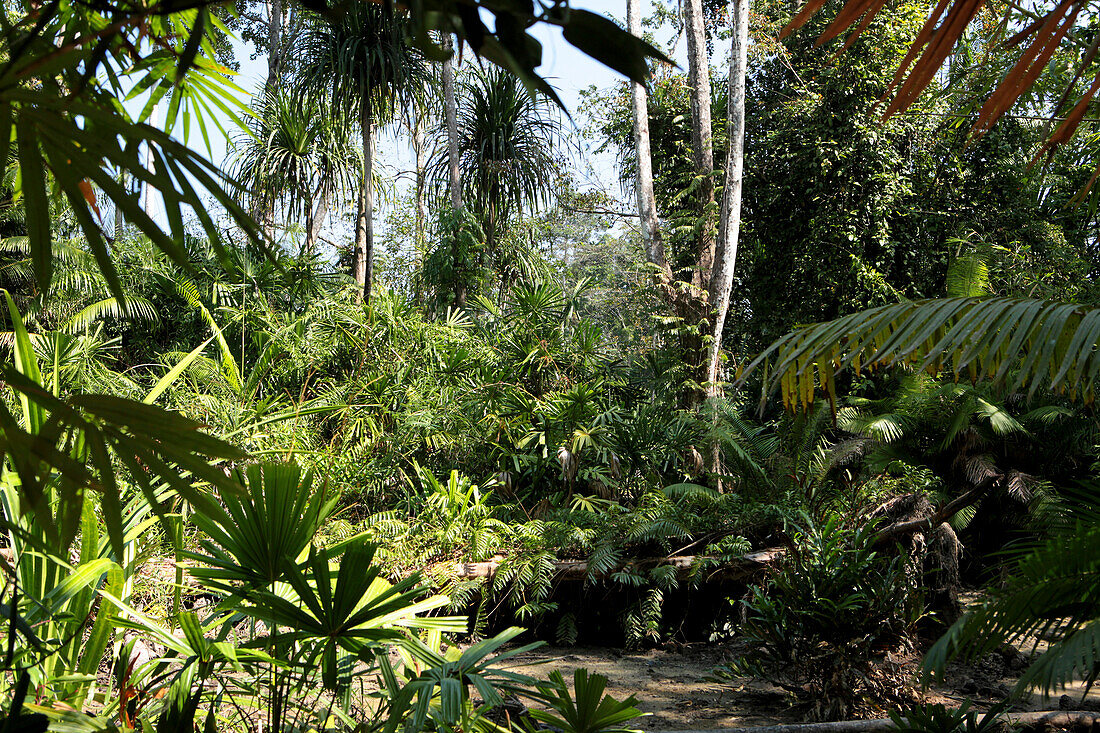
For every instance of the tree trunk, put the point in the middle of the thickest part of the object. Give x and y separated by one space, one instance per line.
451 114
729 223
647 201
274 41
419 149
317 218
703 150
363 261
120 218
148 192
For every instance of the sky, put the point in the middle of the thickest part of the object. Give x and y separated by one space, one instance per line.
567 69
564 67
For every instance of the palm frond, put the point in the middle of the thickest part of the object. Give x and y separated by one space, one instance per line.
113 309
1053 593
1016 342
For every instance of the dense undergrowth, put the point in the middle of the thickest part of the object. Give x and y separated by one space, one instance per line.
248 483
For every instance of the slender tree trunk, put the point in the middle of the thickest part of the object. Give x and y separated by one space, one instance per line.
358 271
419 149
148 193
317 218
120 218
451 115
729 223
363 261
368 275
274 41
703 149
647 201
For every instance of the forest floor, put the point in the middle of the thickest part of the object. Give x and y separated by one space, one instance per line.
670 684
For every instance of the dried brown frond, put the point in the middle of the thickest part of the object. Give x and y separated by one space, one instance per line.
1044 35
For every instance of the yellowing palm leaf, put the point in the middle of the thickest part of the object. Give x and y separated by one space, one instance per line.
1019 342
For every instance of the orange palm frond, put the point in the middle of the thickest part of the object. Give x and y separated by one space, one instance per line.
1043 35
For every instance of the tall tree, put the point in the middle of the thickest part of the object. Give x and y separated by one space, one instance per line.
702 144
295 158
647 201
704 299
148 190
420 145
361 57
451 115
507 137
729 221
275 15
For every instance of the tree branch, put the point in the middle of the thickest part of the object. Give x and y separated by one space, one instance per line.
938 517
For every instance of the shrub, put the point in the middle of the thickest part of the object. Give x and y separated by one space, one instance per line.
821 625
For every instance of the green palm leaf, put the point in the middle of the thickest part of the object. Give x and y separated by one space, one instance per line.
1052 593
113 309
1018 342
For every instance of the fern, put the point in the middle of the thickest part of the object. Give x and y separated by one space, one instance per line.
1054 589
566 633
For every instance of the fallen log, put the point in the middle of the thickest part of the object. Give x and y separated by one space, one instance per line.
1054 718
743 567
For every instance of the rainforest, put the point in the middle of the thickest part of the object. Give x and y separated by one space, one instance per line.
501 366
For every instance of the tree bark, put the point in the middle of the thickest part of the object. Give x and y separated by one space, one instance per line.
901 529
148 192
274 41
647 201
120 218
363 260
729 222
451 115
317 218
419 149
703 149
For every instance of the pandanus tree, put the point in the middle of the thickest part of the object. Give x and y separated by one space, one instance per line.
362 62
295 156
506 140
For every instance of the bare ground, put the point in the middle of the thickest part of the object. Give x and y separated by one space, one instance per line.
670 684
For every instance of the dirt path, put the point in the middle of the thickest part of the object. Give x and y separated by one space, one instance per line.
670 685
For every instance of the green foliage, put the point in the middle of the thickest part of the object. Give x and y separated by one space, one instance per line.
507 139
939 719
833 606
1050 594
1016 342
587 709
842 210
538 381
359 60
453 269
296 152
